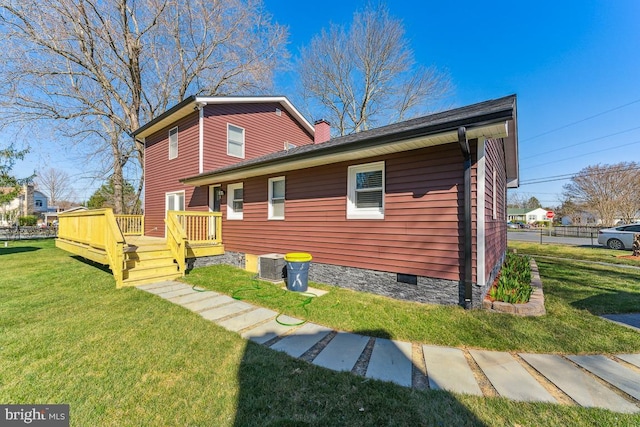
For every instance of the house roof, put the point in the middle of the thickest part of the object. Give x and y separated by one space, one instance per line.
193 102
489 119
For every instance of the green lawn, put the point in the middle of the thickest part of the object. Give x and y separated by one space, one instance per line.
128 358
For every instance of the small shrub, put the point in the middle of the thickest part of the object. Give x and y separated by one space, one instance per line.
514 283
28 220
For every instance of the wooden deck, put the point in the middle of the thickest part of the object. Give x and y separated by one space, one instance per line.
135 259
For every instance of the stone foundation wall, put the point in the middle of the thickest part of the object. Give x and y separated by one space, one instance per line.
427 289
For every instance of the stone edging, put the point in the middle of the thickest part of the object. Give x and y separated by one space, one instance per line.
535 306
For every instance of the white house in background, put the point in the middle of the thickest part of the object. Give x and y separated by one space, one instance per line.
523 215
28 202
537 215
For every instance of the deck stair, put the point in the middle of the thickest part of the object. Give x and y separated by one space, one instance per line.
148 261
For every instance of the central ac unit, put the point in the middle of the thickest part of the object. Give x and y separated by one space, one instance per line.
271 267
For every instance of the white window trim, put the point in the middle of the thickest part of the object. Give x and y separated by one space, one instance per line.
363 213
172 193
231 214
243 140
175 155
271 181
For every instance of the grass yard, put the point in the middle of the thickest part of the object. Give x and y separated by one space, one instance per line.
128 358
575 293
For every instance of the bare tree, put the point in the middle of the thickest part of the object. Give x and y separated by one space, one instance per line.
365 74
100 68
56 184
607 191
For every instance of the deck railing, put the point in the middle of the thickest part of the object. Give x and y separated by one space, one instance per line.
131 225
95 229
201 227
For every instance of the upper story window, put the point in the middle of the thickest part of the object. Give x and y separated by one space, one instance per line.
276 198
235 141
235 201
365 199
173 143
38 203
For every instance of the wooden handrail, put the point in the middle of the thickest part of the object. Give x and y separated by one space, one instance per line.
201 227
176 239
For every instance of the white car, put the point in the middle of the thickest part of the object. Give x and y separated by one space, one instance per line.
619 237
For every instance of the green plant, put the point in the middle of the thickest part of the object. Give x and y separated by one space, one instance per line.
28 220
514 283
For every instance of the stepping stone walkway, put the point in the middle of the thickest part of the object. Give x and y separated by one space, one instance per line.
591 381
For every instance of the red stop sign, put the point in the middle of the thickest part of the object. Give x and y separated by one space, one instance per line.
550 214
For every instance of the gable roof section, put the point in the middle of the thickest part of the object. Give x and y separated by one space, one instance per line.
193 102
489 119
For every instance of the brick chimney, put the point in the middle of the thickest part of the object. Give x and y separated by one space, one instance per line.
322 131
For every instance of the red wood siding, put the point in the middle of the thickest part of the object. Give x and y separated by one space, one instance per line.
265 131
495 229
421 233
162 174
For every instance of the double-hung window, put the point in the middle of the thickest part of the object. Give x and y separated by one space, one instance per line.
173 143
235 141
276 198
365 199
235 201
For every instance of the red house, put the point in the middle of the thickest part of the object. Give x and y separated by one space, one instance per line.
415 210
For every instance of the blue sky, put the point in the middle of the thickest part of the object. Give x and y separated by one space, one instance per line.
574 65
566 60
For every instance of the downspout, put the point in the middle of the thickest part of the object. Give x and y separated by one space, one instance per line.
466 153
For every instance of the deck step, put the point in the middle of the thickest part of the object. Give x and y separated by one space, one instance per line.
150 279
141 272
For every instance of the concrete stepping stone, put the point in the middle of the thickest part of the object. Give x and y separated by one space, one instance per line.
268 331
582 388
342 352
614 373
176 293
245 320
192 297
391 361
634 359
211 301
167 288
219 312
301 339
447 369
510 378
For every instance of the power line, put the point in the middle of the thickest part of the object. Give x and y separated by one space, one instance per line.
582 120
571 175
582 155
580 143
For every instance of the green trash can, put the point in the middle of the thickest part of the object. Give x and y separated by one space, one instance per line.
297 271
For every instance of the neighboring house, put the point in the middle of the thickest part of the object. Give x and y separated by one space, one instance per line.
526 215
415 210
517 215
28 202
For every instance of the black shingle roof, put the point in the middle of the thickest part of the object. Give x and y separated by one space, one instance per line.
470 116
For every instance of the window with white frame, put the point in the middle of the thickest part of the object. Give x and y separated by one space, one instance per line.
235 201
365 198
276 198
235 141
173 143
